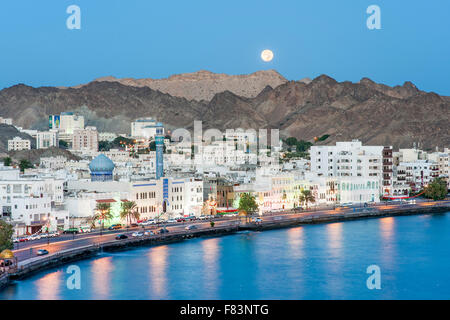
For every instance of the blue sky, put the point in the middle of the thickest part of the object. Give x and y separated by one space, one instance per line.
147 38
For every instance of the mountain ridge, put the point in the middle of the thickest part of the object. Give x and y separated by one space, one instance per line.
372 112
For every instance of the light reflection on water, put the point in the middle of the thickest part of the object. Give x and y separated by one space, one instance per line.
326 261
49 286
157 269
101 269
211 267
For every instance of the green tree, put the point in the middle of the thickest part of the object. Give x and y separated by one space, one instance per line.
305 197
121 142
6 233
103 212
303 146
436 190
7 161
103 145
324 137
248 204
291 141
63 144
25 164
129 211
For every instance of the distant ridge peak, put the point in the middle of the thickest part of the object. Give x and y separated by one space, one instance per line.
205 84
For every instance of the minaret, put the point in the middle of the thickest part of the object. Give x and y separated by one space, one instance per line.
159 141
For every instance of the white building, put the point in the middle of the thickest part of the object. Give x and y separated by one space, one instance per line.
54 163
144 127
6 121
347 159
166 197
31 203
420 173
17 143
70 122
107 136
47 139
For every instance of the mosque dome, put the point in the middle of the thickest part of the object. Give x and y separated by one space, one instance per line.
101 164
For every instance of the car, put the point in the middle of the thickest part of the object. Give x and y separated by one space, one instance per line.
16 240
148 222
149 233
42 252
137 234
23 239
346 204
191 227
191 218
121 237
181 220
257 220
53 234
71 231
133 225
171 221
203 217
115 227
163 230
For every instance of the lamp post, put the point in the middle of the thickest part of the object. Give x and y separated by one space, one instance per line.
73 227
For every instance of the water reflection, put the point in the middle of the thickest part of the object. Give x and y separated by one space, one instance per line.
387 229
334 235
295 242
387 233
211 268
49 286
158 271
334 267
101 277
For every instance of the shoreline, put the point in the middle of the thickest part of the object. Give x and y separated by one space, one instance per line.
35 265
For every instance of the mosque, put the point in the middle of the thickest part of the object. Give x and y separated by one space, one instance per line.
101 168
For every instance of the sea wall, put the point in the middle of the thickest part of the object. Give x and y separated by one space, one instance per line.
4 280
37 264
362 213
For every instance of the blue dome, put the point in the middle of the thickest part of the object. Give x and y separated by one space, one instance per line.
101 164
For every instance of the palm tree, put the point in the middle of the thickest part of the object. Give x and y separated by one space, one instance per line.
129 211
306 196
247 203
103 213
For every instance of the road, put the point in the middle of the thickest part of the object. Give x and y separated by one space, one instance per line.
26 250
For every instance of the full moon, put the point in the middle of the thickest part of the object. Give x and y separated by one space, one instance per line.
267 55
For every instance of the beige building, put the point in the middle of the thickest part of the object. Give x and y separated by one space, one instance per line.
85 139
17 143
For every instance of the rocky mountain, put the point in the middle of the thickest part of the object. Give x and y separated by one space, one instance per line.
372 112
203 85
35 155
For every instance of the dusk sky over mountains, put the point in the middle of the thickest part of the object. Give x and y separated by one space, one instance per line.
159 38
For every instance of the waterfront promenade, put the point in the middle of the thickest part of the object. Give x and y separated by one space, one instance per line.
67 248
